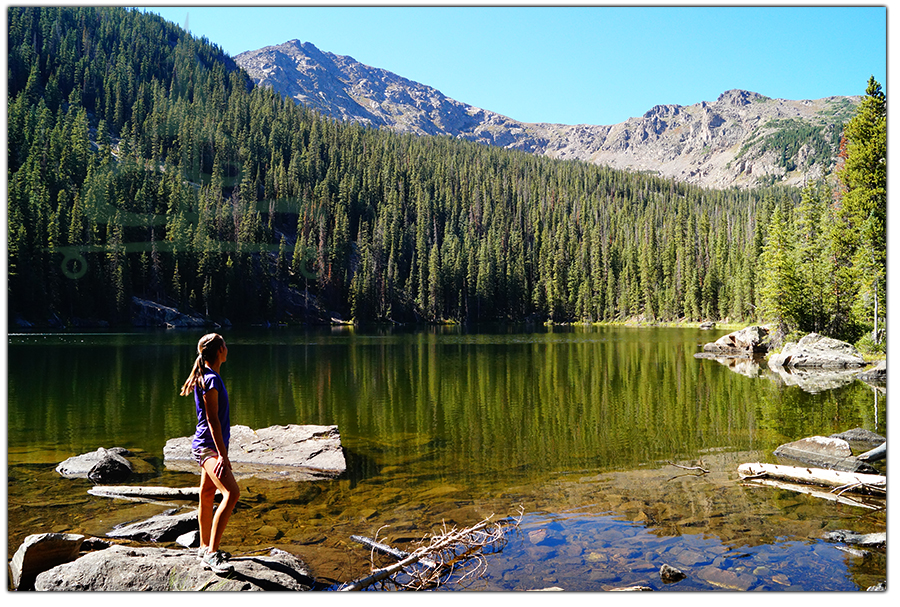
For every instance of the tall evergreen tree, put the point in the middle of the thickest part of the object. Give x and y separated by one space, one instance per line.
863 205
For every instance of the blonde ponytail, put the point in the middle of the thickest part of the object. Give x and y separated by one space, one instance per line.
207 350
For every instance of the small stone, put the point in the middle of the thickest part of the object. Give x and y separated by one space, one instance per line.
780 578
537 536
270 532
669 574
191 539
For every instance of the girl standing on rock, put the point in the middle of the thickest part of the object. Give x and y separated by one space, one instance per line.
210 448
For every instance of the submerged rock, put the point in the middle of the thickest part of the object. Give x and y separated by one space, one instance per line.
291 452
123 568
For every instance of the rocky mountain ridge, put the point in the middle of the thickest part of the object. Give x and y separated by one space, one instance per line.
742 139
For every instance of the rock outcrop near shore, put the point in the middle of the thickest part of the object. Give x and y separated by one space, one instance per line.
746 342
126 568
295 452
814 350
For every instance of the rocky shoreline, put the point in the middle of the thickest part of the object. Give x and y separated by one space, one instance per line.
69 562
814 363
131 556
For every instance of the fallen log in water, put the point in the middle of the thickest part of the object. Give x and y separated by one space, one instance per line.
812 491
846 481
157 492
149 495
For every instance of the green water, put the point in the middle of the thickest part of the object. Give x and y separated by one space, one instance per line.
578 426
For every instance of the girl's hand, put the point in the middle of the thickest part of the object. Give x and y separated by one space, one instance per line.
222 464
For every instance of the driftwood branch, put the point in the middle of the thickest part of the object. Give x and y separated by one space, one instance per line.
699 468
388 550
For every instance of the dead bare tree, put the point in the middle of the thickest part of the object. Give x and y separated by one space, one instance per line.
449 553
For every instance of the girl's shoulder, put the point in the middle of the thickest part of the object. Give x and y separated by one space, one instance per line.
211 379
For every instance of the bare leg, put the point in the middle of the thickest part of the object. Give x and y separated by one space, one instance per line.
205 510
230 494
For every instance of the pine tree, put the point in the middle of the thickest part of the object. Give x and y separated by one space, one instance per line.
780 291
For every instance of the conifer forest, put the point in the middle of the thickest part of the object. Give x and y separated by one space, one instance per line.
142 162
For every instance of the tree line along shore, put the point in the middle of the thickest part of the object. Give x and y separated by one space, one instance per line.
143 163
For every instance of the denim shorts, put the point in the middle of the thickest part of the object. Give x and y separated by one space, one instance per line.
201 454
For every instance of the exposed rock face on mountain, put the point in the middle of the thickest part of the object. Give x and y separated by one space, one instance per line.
742 139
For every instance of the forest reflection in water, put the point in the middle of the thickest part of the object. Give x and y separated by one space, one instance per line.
575 424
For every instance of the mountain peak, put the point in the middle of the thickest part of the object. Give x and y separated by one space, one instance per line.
721 144
740 97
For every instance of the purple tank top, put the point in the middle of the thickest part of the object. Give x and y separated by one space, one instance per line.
203 436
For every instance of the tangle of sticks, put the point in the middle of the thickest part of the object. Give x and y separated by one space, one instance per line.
451 553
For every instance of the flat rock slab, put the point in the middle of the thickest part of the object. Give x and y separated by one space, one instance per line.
165 527
124 568
824 452
292 452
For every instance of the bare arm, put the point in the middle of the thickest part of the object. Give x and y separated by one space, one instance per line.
211 402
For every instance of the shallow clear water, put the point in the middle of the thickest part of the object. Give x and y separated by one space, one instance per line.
578 426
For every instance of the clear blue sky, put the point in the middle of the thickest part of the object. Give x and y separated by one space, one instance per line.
574 65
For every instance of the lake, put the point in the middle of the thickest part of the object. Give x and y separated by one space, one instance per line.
581 429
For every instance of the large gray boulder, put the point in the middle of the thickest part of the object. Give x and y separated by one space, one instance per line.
814 350
41 552
746 342
124 568
102 465
291 452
